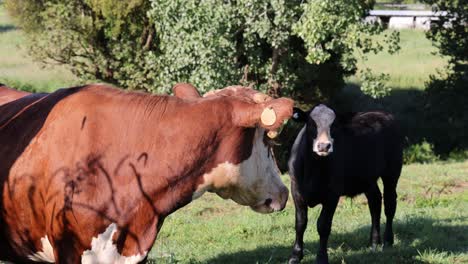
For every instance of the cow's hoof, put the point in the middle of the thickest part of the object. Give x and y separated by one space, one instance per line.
374 247
388 239
296 256
322 259
388 244
294 260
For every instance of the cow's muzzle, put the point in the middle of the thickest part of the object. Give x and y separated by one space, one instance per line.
273 204
323 148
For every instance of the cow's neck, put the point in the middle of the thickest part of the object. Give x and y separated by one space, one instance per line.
189 146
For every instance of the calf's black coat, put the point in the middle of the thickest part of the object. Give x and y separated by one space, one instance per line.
366 146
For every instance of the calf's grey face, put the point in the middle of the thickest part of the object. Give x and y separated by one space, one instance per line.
323 117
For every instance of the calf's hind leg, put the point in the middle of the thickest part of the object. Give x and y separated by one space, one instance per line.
374 199
390 203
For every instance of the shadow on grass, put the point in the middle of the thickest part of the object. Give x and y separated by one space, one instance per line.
6 28
414 236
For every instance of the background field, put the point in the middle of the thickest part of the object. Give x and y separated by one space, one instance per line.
431 223
411 67
18 70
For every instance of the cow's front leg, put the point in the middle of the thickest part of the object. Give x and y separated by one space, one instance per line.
324 224
301 225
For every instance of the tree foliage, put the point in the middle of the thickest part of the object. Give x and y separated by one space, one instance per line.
303 49
450 32
104 40
446 95
334 33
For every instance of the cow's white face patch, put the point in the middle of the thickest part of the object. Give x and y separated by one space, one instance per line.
254 182
47 253
103 250
323 118
219 179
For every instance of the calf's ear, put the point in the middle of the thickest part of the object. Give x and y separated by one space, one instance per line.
299 115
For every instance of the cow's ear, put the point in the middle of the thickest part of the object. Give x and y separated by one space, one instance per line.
275 112
299 115
185 91
269 115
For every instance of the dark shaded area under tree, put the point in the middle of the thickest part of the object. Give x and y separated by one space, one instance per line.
437 115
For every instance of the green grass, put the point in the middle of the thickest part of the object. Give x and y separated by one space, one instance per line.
18 70
431 226
411 66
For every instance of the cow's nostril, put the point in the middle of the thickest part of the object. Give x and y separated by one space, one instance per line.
268 201
324 147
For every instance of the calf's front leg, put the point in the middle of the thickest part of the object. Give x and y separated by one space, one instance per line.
301 225
324 224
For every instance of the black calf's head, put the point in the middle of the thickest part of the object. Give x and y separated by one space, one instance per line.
319 121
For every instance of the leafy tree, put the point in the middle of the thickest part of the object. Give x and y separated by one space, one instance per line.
450 32
283 47
302 49
105 40
446 94
333 33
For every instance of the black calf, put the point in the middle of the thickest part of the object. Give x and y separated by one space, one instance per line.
363 147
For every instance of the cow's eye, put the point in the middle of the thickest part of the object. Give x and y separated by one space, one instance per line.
312 124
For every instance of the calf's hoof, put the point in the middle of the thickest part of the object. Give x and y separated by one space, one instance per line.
322 259
294 260
388 244
296 255
388 239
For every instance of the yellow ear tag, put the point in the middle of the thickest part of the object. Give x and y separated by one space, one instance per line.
268 117
272 134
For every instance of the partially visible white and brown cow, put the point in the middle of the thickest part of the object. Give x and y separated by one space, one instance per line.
88 174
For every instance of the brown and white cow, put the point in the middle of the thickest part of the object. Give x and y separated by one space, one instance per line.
89 173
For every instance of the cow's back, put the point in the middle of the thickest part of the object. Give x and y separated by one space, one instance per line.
370 145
